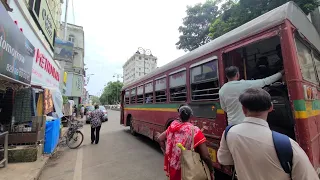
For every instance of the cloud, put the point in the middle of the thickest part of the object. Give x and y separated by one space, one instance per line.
115 29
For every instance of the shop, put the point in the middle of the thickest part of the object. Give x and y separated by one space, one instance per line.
30 99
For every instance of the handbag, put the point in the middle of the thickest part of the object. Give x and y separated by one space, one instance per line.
192 166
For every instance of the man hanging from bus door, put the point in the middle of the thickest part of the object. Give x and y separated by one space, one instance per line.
230 92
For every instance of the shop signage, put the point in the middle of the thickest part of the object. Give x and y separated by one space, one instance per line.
16 52
43 16
45 72
77 85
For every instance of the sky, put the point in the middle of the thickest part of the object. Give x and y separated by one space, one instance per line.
114 30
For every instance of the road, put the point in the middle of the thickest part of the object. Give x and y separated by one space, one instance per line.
118 156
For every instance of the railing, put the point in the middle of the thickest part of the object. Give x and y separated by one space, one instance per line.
4 161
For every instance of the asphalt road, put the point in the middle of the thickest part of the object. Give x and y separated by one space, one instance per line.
118 156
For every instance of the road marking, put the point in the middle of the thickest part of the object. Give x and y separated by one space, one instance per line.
78 168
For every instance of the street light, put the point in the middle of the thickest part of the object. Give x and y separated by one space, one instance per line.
118 76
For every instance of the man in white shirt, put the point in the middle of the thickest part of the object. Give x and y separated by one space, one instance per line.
250 148
230 92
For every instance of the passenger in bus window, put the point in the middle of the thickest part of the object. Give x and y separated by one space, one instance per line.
180 131
230 92
149 99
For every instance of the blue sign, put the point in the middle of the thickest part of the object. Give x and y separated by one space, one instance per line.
63 50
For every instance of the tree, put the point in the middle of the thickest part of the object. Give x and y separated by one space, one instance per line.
235 13
111 93
195 28
95 100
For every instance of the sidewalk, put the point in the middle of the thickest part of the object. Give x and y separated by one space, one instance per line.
24 171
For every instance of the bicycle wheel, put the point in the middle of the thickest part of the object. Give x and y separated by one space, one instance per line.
75 140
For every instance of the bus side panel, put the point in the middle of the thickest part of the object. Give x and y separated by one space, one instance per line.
305 112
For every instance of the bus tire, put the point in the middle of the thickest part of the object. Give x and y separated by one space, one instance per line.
132 131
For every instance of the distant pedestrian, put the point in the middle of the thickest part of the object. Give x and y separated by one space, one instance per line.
251 148
96 117
180 131
82 111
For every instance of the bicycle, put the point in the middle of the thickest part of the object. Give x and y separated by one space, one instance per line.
72 135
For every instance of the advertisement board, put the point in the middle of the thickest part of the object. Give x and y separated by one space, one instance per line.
63 50
45 71
77 85
43 16
16 52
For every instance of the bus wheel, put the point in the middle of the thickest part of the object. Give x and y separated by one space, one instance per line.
132 131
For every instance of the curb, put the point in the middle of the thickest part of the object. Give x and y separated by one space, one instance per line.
38 174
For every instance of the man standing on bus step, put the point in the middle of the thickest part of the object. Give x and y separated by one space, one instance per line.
251 146
230 92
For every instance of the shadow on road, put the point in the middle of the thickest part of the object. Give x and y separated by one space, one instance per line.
153 144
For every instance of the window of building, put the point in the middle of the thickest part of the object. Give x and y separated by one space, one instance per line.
148 91
205 82
306 62
139 57
161 90
140 95
133 96
178 88
127 97
71 38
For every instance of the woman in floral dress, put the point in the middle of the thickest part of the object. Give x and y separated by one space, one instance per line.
180 131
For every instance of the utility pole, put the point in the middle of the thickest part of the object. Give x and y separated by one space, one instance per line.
65 21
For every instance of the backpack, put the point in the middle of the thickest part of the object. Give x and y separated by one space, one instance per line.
283 148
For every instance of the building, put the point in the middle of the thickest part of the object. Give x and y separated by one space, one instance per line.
141 63
75 68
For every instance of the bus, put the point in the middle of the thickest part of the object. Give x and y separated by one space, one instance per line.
283 38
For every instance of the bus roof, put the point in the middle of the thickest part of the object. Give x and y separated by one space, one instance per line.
275 17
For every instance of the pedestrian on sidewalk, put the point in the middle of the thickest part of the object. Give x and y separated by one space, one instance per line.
250 146
82 111
96 117
180 131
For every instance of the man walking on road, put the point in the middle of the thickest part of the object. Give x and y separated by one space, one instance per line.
82 111
96 117
230 92
251 148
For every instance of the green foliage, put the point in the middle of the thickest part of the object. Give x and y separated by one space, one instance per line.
111 93
236 13
195 29
95 100
65 99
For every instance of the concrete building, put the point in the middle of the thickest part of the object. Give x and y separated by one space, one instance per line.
75 69
140 64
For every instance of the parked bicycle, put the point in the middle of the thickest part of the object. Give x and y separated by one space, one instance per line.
73 138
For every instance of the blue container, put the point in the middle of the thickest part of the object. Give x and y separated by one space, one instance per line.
51 135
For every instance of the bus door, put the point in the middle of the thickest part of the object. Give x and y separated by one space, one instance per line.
259 60
122 107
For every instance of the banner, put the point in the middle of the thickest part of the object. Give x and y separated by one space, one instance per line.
16 52
42 15
63 50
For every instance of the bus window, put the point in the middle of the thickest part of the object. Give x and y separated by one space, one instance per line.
148 91
177 84
140 95
133 96
127 97
161 90
306 62
204 81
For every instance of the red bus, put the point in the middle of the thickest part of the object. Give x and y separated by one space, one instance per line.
284 37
